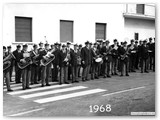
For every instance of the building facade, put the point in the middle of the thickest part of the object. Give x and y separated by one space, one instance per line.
32 23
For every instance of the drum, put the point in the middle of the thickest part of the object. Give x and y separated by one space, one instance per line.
98 60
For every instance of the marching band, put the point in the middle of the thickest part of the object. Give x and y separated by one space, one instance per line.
61 63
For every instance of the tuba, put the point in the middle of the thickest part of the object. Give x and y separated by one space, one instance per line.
26 61
7 61
48 58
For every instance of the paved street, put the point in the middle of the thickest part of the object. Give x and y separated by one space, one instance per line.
135 93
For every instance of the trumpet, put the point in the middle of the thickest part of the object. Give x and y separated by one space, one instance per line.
7 61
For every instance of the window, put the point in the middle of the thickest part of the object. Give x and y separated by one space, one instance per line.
136 36
23 29
66 31
100 30
140 8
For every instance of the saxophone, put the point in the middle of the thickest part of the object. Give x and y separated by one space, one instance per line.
125 54
7 61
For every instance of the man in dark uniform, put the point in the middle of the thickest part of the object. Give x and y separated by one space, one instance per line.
114 57
107 58
12 62
45 69
34 66
144 55
69 50
18 71
26 72
154 55
95 65
85 61
136 56
40 67
150 59
79 70
75 64
123 53
132 56
139 52
64 62
6 73
55 63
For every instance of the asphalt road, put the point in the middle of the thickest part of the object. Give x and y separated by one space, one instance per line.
124 95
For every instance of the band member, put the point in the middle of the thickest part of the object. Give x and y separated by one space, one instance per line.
6 73
150 60
154 55
85 61
26 72
64 63
69 50
95 64
132 56
99 47
34 66
137 55
39 66
124 60
79 70
12 62
107 58
114 57
45 69
75 63
145 56
18 71
55 62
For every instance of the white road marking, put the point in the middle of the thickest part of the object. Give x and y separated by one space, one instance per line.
123 91
52 92
37 89
66 96
22 113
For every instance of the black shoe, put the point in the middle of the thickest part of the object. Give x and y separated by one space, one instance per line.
127 74
121 75
32 83
83 79
23 88
42 85
116 74
66 82
48 85
141 71
76 81
113 74
18 82
108 76
28 88
36 82
104 76
10 90
146 72
60 83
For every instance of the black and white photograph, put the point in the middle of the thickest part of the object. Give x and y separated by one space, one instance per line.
79 59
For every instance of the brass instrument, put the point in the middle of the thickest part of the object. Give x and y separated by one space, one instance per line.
67 58
124 55
34 60
48 58
26 61
7 61
108 51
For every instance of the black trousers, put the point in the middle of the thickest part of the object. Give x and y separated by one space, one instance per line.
34 73
124 66
39 72
132 61
18 73
55 73
143 65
